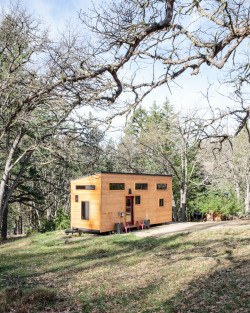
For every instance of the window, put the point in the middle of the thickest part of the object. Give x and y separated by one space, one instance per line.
141 186
137 199
85 210
85 187
116 186
161 186
76 198
161 202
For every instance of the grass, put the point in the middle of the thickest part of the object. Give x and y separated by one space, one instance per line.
193 272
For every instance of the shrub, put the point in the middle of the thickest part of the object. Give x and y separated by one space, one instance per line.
62 219
48 225
225 204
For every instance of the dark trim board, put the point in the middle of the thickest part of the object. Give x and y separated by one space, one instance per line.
121 174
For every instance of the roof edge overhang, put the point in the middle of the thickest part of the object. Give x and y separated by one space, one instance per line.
119 173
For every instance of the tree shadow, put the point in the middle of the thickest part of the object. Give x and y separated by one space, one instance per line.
12 239
225 290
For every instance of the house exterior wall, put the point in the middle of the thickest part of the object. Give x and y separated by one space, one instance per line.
105 204
114 201
94 198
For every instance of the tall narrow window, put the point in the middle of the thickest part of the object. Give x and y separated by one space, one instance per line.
76 198
137 199
85 187
162 186
85 210
161 202
141 186
116 186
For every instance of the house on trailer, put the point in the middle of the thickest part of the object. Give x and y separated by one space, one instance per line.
102 201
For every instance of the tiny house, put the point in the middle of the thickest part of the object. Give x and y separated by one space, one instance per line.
102 200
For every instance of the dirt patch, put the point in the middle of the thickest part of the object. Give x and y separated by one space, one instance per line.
171 228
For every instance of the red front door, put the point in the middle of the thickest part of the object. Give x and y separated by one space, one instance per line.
129 210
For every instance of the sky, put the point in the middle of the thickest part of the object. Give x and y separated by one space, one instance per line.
186 96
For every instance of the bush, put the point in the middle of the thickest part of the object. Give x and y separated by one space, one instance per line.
48 225
62 219
225 204
30 232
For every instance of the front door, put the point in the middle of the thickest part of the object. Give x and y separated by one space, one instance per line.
129 210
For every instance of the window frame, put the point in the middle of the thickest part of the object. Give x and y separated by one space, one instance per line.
85 187
161 202
136 197
159 184
85 216
76 198
145 184
116 184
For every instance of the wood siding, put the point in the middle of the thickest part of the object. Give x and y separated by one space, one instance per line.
113 201
105 204
94 198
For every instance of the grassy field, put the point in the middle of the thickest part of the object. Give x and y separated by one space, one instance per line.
204 271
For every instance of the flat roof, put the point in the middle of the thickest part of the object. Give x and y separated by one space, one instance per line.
119 173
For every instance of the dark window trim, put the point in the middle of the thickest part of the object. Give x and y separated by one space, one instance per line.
161 202
136 197
113 185
85 210
141 186
85 187
159 188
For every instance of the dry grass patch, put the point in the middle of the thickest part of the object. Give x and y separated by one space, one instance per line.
203 271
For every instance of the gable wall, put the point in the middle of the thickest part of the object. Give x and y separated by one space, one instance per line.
94 198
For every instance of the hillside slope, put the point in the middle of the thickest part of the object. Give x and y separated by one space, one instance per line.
204 271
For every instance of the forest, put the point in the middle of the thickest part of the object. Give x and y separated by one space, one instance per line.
58 100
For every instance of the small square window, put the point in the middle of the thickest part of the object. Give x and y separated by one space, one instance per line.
76 198
137 199
161 202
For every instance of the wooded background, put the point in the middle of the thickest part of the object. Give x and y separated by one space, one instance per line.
48 87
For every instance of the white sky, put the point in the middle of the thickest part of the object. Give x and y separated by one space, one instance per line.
56 13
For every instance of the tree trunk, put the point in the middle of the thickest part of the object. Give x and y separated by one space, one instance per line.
38 218
4 224
175 215
247 196
5 176
19 221
183 204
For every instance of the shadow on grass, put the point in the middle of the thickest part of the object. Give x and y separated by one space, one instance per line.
224 291
75 260
216 290
12 239
118 250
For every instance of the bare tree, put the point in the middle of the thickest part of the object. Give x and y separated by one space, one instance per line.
39 76
231 159
164 142
164 39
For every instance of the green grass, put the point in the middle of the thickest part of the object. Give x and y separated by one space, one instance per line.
192 272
